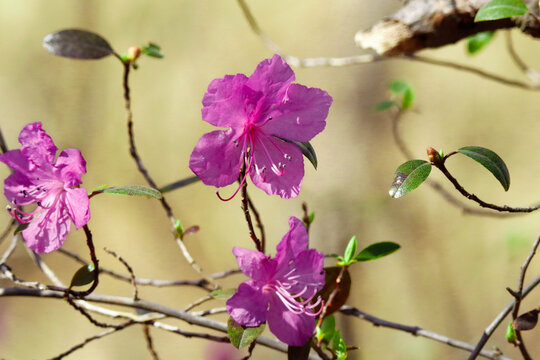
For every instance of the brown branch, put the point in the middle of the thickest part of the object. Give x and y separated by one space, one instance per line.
418 331
150 342
130 271
245 209
258 222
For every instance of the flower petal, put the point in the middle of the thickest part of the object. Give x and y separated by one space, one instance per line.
16 161
248 306
216 159
224 103
77 204
48 231
14 185
255 264
272 77
267 173
301 116
293 329
71 165
293 242
308 273
37 146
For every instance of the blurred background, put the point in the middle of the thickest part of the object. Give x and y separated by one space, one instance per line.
451 273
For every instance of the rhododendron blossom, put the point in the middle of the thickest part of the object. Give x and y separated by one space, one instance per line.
260 111
282 289
52 186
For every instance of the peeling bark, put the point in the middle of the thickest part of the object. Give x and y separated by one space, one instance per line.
421 24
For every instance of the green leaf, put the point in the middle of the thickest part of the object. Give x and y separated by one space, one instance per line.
377 250
152 50
77 44
83 276
511 335
398 87
490 161
306 148
350 251
326 331
408 97
20 228
179 229
330 277
138 190
339 347
179 184
299 352
99 188
385 105
476 42
501 9
241 336
224 294
409 176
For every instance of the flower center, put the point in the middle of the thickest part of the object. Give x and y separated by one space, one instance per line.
44 193
295 302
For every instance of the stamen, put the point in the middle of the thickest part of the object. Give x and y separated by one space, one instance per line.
248 167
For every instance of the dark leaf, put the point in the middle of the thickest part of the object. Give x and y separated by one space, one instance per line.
331 274
138 190
409 176
192 230
20 228
241 336
476 42
306 148
377 250
385 105
501 9
179 184
299 352
526 321
490 161
77 44
83 276
224 294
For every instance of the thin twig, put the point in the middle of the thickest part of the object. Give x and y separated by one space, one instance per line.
10 249
258 222
198 302
331 297
90 339
245 209
188 334
505 208
499 318
418 331
531 73
95 262
81 310
150 342
130 271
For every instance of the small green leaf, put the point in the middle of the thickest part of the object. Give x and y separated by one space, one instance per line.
339 347
138 190
408 177
77 44
99 188
331 275
20 228
511 335
179 184
385 105
476 42
83 276
223 294
408 97
242 336
398 87
350 251
306 148
500 9
326 331
299 352
311 217
490 161
179 229
152 50
526 321
377 250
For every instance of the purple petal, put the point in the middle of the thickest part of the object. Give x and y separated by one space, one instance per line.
293 242
272 77
248 306
216 159
293 329
14 185
77 204
255 264
16 161
308 273
301 116
48 231
224 104
71 166
267 173
37 146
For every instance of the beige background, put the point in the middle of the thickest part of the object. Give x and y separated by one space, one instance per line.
448 277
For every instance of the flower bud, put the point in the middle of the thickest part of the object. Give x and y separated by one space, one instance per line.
433 155
133 53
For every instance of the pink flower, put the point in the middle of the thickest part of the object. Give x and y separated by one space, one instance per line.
258 111
52 186
282 288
